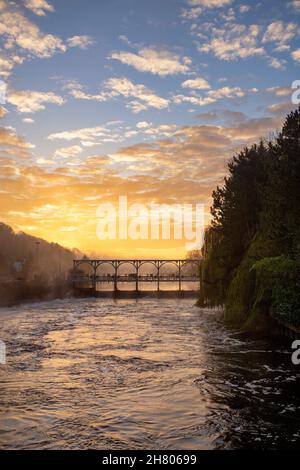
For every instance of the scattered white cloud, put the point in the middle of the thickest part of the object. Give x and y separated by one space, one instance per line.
282 48
210 3
194 100
228 16
196 83
143 124
279 64
68 152
89 136
211 97
8 63
28 120
280 32
9 137
236 41
39 7
20 32
27 101
83 42
226 92
157 61
191 13
141 98
165 130
244 8
197 7
22 38
280 90
295 4
296 55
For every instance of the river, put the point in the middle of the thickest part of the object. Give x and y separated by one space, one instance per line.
147 373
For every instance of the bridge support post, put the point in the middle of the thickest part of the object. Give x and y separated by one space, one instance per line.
116 278
94 279
179 276
137 277
158 274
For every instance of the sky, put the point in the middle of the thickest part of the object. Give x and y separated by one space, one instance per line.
134 98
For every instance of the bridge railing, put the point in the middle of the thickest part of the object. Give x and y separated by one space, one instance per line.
137 277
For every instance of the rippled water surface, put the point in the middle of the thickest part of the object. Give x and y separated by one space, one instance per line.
126 374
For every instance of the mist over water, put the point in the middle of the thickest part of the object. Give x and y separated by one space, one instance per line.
147 373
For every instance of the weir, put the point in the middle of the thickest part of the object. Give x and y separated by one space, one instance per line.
137 277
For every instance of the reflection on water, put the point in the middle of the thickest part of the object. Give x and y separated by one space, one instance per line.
99 373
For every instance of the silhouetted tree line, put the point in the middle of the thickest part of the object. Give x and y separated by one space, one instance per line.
32 268
252 248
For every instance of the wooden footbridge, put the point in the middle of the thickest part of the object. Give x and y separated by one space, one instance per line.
187 270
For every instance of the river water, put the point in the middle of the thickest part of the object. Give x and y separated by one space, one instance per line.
148 373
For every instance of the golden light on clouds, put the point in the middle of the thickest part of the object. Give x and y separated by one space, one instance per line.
59 202
98 112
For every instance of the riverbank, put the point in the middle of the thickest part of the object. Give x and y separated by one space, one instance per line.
16 292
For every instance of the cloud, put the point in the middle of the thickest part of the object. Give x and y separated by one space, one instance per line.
88 136
196 83
282 48
197 7
27 101
191 13
83 42
276 63
295 4
8 63
210 3
39 7
231 118
143 124
280 32
211 97
226 92
3 112
159 62
68 152
126 88
280 109
28 120
236 41
244 8
296 55
141 98
20 32
9 138
185 167
280 90
23 39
